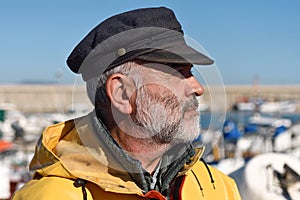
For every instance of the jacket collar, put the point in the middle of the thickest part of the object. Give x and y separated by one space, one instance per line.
86 140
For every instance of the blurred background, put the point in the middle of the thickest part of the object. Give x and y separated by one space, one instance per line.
256 48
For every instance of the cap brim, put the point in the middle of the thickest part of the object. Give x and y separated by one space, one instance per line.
181 54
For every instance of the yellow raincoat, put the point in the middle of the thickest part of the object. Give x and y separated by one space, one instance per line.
66 168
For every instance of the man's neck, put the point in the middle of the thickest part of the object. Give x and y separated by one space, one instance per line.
147 151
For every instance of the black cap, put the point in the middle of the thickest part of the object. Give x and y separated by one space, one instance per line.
149 34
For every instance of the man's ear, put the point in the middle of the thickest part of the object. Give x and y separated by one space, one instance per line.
119 89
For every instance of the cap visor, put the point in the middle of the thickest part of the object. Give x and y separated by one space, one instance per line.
181 54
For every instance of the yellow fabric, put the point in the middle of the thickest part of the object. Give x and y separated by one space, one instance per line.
60 159
198 177
49 188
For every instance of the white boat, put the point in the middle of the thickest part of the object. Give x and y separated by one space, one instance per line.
278 106
14 159
288 106
289 141
245 106
4 181
260 135
269 176
261 120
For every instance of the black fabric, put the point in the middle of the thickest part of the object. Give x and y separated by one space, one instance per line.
136 34
176 189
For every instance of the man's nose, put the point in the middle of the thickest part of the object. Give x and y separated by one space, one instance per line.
194 86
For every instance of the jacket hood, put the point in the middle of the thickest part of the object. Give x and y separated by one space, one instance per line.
60 152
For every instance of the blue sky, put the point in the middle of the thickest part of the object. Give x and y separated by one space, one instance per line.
247 39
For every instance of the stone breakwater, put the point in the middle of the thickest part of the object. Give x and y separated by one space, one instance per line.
60 98
43 98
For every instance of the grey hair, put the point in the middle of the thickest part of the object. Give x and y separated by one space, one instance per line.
96 85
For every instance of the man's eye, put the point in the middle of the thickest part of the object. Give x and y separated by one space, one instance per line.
184 72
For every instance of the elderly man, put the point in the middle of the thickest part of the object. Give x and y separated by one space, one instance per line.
138 141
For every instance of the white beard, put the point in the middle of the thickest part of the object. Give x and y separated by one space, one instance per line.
164 117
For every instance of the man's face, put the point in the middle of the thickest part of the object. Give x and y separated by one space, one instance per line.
166 104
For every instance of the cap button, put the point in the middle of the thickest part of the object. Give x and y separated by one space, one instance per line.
121 51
